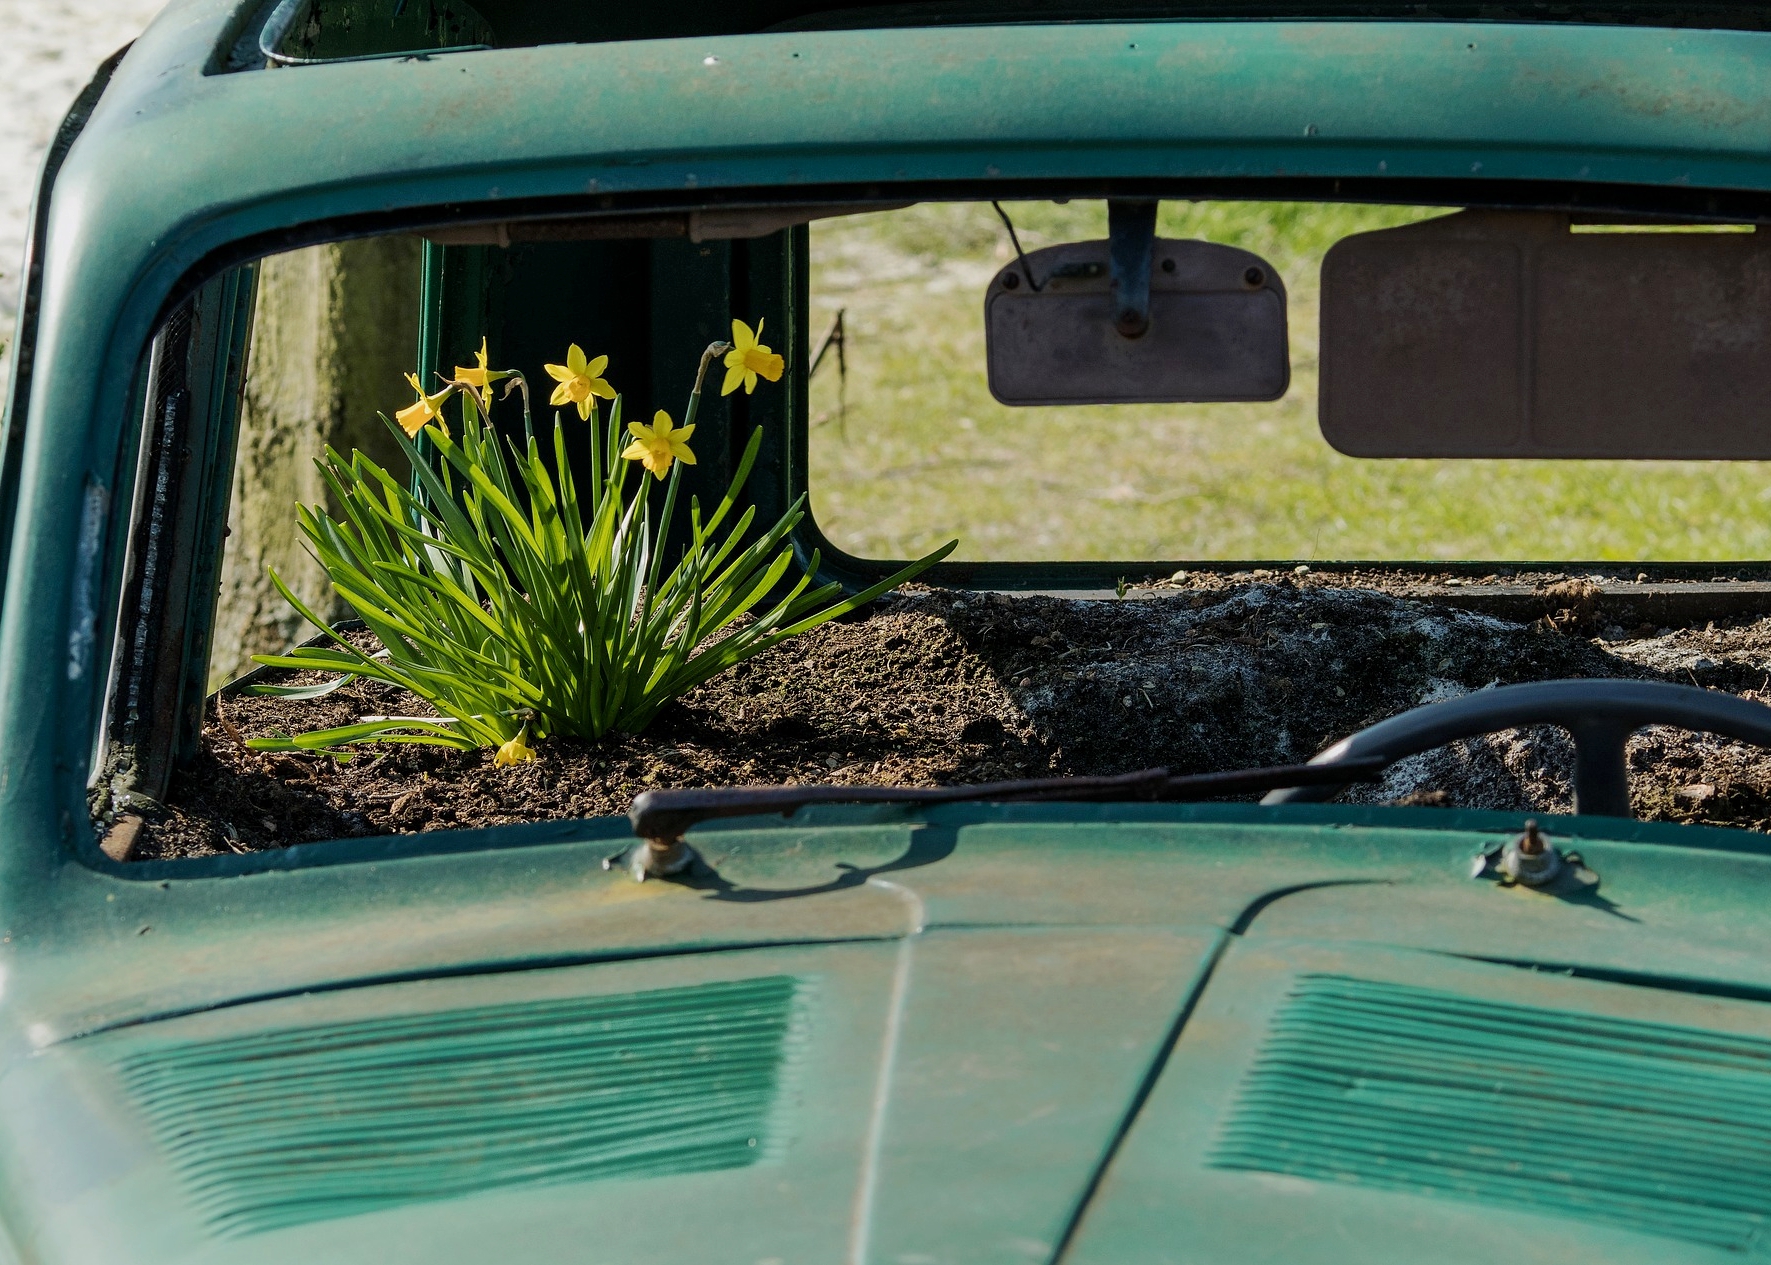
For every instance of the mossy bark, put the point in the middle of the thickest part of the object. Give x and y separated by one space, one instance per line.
335 328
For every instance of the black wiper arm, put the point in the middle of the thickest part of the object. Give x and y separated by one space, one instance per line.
661 817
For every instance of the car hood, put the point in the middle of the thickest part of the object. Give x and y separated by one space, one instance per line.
1086 1041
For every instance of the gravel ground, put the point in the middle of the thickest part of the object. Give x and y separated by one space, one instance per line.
48 55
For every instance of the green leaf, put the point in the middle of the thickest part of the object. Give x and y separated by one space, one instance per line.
366 731
301 691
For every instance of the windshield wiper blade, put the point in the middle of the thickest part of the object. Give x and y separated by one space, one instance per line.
660 818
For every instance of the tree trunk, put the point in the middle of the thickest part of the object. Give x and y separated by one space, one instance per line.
334 330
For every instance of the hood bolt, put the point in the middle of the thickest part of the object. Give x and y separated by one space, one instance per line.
1530 859
654 858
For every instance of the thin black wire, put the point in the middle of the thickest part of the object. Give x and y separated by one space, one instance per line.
1019 253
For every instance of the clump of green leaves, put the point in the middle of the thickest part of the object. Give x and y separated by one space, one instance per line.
517 606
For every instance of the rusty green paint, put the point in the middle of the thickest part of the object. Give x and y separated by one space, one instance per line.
995 990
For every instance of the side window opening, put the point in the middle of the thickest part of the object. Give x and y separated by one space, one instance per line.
154 697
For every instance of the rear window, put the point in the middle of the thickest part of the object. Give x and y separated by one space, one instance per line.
909 449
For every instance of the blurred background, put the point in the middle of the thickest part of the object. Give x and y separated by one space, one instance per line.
49 53
335 328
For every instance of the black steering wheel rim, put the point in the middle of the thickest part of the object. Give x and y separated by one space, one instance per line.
1600 715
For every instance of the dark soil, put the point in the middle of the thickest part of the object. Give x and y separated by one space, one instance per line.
937 687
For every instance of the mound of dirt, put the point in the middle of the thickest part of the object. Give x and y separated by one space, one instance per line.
937 687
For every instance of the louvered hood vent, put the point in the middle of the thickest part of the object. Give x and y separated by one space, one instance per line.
1660 1129
278 1128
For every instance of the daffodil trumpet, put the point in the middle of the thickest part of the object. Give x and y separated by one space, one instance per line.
580 381
516 751
659 446
749 359
426 410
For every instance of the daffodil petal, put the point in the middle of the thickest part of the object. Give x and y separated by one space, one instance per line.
734 376
599 387
559 373
575 359
742 338
595 368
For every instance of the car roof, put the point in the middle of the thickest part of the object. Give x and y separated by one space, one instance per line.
521 23
178 163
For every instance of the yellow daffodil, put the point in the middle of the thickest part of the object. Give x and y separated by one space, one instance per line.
516 751
579 380
424 410
657 445
480 378
748 358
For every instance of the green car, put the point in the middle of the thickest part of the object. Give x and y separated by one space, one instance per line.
1112 1020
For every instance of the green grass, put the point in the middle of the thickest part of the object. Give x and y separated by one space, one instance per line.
922 453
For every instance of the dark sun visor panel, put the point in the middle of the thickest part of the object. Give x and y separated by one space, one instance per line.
1504 334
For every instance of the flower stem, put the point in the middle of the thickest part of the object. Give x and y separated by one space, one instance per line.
713 349
519 382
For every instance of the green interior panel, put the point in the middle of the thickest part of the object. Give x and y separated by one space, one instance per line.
653 306
327 30
180 461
